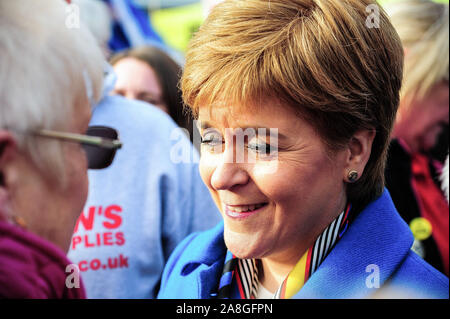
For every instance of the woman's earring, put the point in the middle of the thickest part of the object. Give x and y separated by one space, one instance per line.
352 176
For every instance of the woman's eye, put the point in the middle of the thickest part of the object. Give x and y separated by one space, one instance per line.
212 141
150 101
262 148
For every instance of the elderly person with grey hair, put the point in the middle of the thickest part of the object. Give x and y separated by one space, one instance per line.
50 76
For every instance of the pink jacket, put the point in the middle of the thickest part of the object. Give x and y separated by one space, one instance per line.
31 267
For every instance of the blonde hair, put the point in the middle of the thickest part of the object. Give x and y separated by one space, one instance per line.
47 70
423 27
320 57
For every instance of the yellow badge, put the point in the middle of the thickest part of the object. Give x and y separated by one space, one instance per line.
421 228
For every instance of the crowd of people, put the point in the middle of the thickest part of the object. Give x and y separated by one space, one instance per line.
322 170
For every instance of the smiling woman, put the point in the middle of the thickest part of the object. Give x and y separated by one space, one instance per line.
306 218
288 205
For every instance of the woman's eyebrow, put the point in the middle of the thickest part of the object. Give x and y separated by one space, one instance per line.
272 132
203 125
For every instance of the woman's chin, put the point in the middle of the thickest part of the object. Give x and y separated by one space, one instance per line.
243 245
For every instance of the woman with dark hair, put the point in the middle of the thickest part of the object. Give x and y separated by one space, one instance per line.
150 75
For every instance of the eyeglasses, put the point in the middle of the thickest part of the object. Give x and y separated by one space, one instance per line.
100 143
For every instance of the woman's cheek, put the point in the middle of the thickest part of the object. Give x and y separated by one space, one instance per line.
206 168
265 169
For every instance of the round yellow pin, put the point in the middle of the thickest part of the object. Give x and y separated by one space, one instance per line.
421 228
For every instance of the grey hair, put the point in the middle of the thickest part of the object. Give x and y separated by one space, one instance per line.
96 16
47 67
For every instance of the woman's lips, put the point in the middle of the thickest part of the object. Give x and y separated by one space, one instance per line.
243 211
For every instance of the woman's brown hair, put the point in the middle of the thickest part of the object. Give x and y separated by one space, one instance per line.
337 63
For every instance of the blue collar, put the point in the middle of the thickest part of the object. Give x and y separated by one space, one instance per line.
377 241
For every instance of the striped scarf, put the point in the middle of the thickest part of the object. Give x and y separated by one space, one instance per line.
243 273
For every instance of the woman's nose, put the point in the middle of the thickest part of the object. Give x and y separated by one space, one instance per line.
229 172
227 175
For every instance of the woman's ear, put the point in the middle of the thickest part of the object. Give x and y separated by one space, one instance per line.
405 51
8 145
359 150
